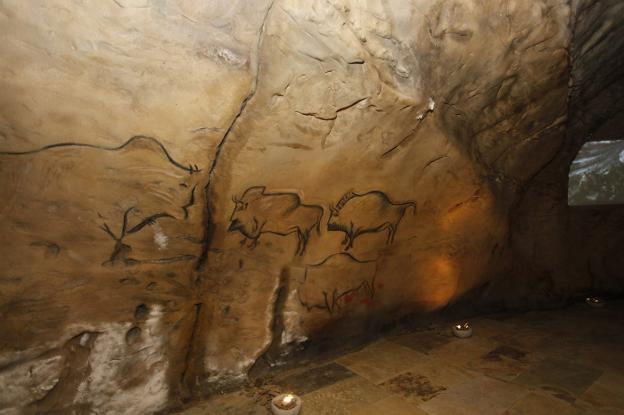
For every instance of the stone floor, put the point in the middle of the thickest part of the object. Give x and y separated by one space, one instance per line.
569 361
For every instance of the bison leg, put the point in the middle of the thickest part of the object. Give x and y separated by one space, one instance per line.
255 227
350 242
298 251
346 239
391 232
302 241
253 243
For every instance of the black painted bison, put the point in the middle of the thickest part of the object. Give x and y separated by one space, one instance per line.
257 212
356 214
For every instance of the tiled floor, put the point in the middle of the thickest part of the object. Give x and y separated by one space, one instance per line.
569 361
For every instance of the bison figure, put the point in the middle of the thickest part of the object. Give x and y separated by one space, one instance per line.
338 281
356 214
257 212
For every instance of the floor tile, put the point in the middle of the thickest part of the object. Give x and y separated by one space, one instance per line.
425 341
388 406
439 372
337 398
560 376
236 403
196 410
511 334
382 361
411 386
462 351
306 381
537 404
606 392
481 396
503 362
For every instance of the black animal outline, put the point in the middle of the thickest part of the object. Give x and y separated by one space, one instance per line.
352 232
260 224
191 168
190 203
332 300
121 249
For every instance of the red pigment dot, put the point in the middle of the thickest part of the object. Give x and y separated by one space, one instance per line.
380 285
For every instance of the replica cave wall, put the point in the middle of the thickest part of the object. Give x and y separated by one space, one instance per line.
191 186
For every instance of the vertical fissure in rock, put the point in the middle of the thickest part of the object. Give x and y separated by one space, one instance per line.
208 216
269 357
192 348
76 369
190 383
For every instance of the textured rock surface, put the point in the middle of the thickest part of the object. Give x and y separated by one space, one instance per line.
558 250
110 115
193 186
596 107
408 125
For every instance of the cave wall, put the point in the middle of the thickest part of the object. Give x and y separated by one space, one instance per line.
193 186
110 116
559 251
370 174
596 112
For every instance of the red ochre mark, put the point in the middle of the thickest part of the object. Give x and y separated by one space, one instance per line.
380 285
348 298
367 301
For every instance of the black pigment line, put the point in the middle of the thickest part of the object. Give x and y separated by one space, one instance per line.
189 351
347 254
190 168
208 223
168 260
190 203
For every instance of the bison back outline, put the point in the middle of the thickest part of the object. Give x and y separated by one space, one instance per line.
339 293
280 213
357 214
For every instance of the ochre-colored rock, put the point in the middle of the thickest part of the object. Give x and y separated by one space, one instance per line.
191 187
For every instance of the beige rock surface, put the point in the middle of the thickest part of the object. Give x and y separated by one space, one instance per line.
557 249
193 186
109 119
398 120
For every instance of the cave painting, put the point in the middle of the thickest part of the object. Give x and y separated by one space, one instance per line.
337 282
257 212
148 149
121 250
357 214
135 142
108 178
